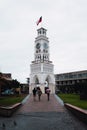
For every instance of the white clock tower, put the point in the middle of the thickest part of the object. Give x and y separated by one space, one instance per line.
42 74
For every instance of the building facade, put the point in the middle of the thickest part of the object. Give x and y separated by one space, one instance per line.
70 78
6 76
42 69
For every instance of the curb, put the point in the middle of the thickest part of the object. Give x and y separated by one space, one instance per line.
59 100
78 112
8 111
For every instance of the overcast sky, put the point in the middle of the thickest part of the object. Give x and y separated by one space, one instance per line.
66 24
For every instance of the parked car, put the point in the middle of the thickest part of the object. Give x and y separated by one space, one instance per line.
8 92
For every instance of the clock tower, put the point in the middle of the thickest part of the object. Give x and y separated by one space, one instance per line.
42 68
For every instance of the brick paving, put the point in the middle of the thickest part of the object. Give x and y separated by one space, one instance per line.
42 115
42 106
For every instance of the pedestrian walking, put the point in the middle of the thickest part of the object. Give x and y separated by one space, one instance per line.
48 93
39 92
34 94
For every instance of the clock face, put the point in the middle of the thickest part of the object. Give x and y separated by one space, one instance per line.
38 45
45 45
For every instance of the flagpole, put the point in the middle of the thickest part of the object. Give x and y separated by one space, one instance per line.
41 24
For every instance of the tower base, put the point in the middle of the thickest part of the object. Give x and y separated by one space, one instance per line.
42 87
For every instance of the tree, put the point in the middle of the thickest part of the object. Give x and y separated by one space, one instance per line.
15 84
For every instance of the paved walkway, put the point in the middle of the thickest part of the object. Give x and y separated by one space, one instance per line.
42 115
42 106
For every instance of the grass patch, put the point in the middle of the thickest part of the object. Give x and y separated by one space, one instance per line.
74 99
10 100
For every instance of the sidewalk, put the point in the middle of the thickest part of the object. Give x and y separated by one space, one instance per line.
42 115
42 106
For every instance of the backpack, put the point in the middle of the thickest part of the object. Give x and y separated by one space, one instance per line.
48 91
39 92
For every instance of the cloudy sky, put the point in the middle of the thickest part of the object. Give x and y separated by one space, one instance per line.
66 24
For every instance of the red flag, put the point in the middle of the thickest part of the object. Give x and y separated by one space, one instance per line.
40 20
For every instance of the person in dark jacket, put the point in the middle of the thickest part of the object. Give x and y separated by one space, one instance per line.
34 94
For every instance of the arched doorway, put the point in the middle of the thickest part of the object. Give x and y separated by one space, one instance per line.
36 81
